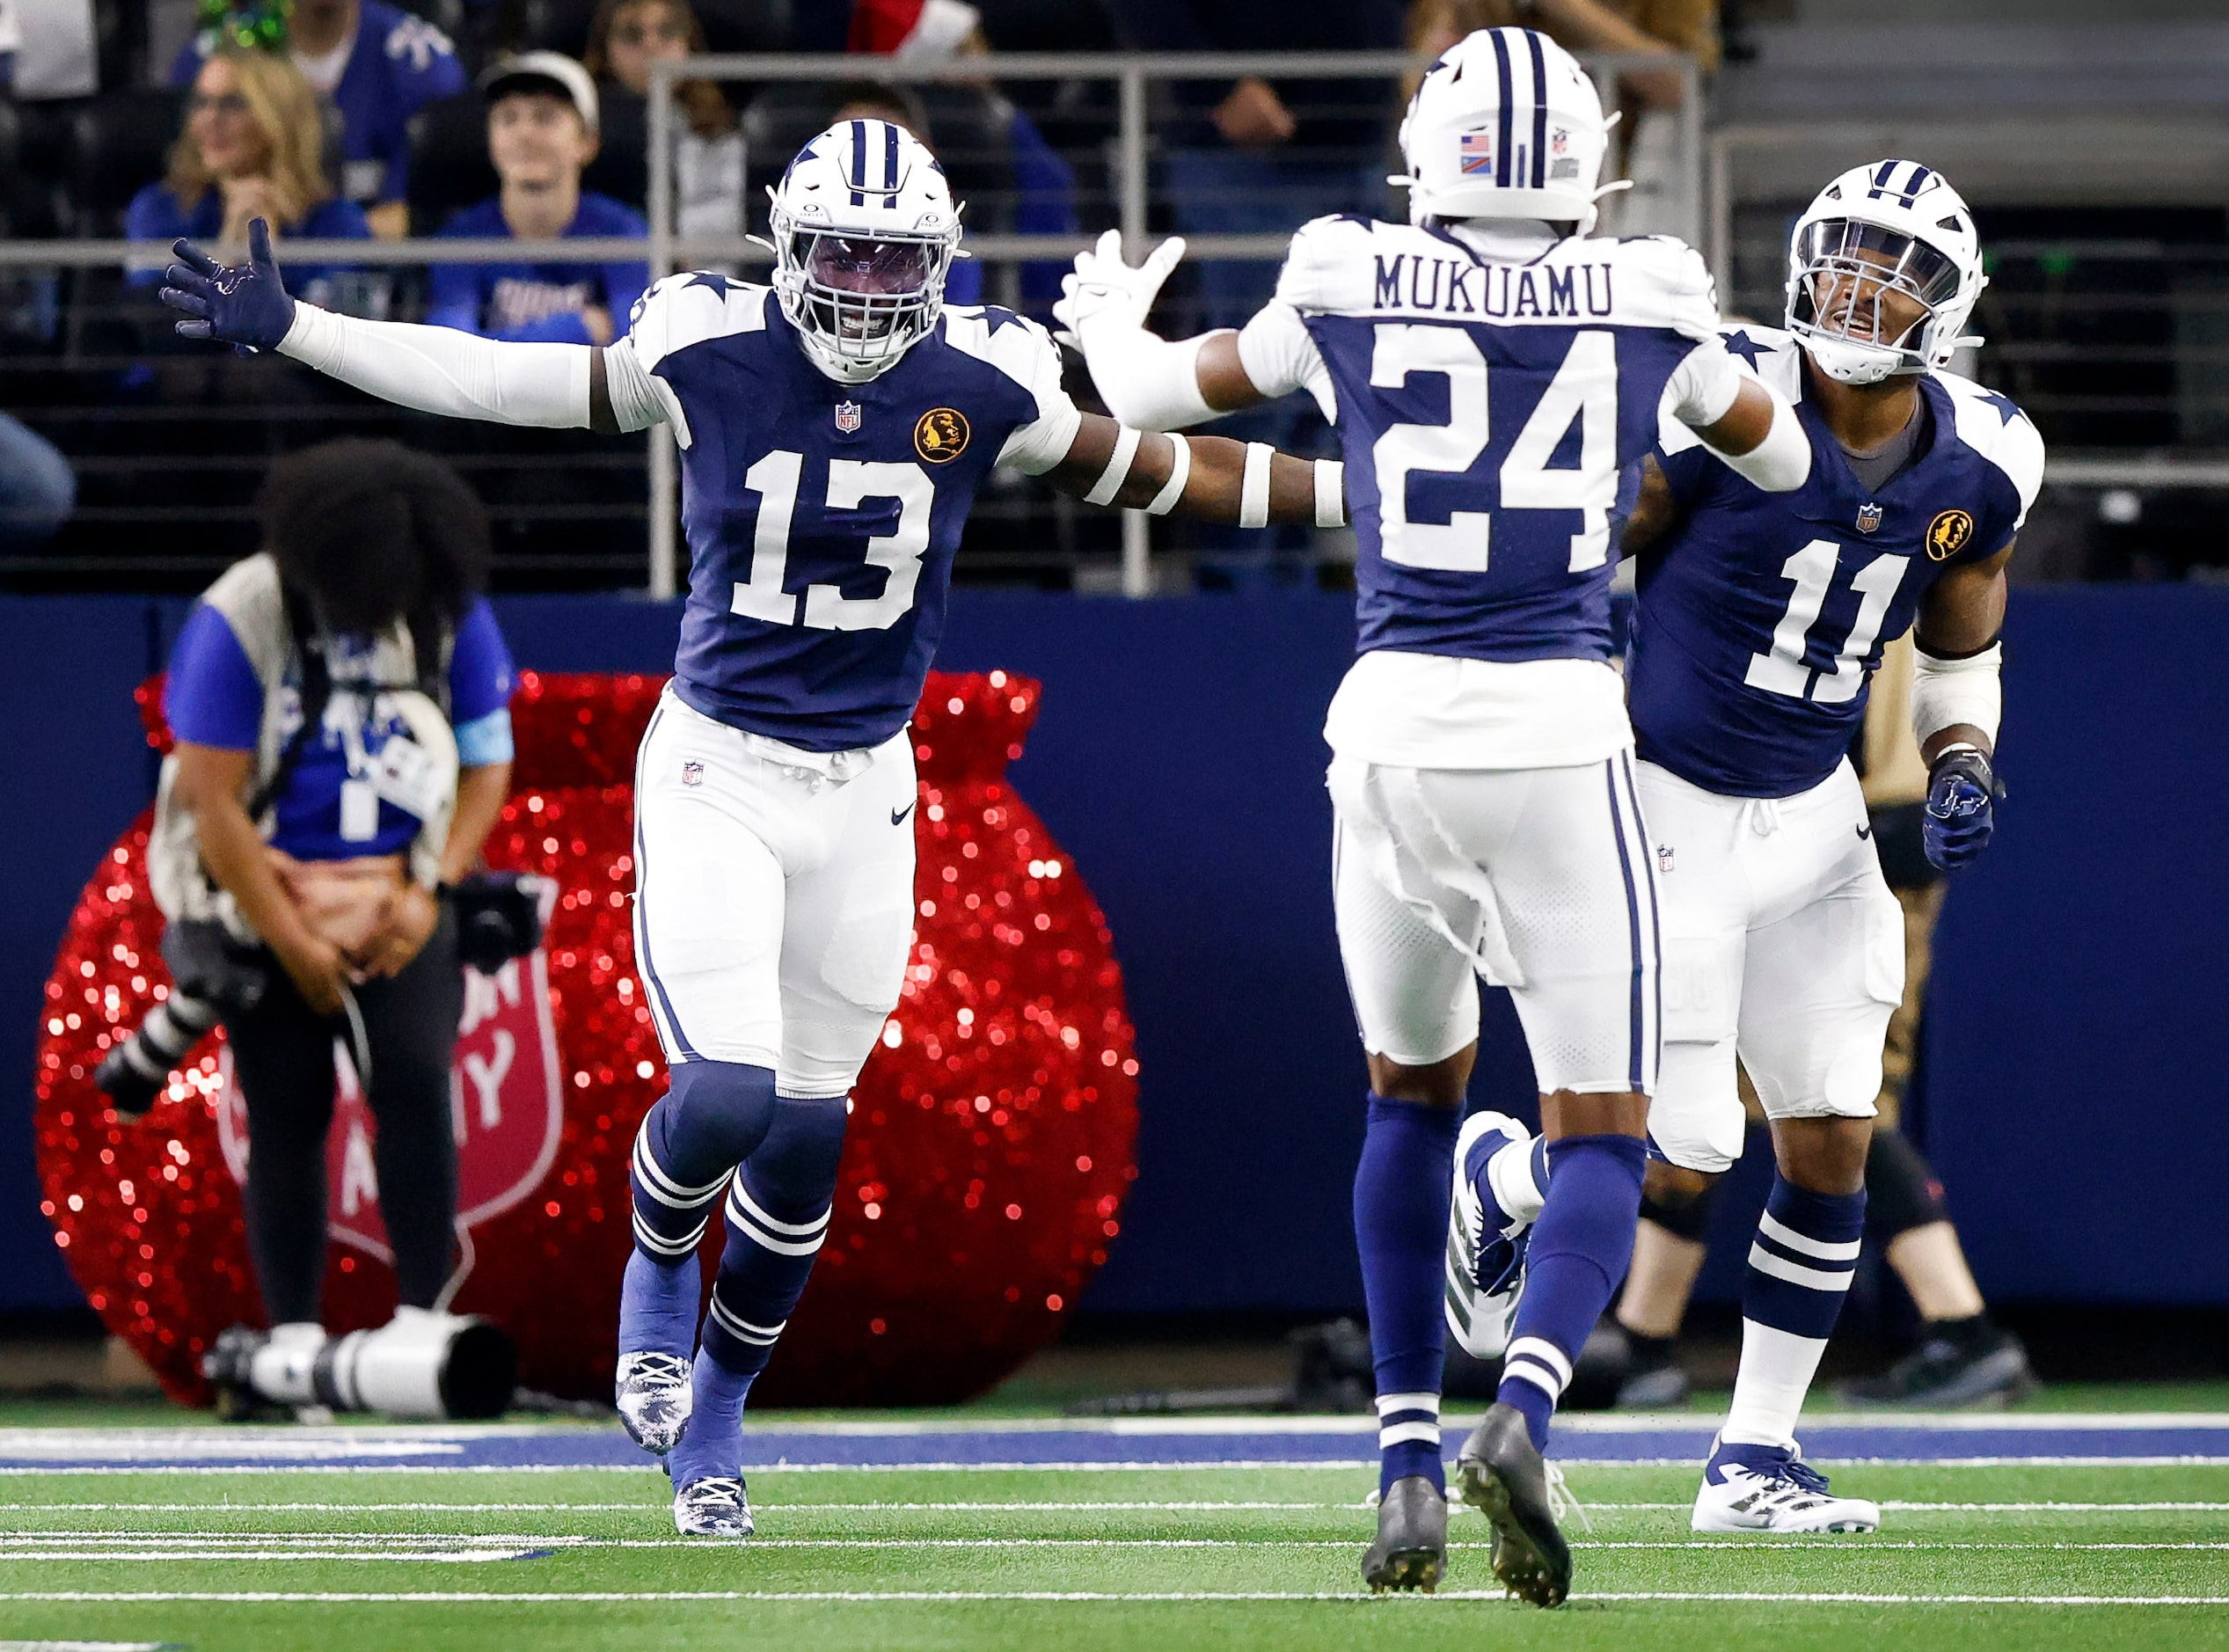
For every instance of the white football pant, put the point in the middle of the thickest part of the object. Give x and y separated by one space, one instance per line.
1537 879
774 896
1781 943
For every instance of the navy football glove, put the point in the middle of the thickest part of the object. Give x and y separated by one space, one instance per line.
244 305
1960 814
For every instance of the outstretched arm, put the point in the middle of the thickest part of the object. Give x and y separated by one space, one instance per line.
1210 477
433 369
1152 382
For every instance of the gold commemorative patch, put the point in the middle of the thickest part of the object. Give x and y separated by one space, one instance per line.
1947 534
940 436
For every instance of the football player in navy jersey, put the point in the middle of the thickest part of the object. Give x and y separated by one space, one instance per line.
1493 375
1759 621
834 429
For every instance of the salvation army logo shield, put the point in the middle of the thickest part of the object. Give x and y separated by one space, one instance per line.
505 1108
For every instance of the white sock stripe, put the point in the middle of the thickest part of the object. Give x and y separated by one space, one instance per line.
1387 1404
759 1217
664 1189
1532 1371
1813 1278
742 1329
651 1240
1548 1353
1781 1233
1402 1433
737 1219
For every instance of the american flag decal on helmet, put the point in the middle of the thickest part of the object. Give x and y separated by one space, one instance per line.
1477 151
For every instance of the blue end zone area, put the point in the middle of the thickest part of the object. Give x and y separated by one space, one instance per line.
1223 1442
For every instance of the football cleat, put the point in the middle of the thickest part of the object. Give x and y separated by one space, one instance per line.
1485 1245
652 1393
714 1508
1501 1474
1411 1549
1771 1488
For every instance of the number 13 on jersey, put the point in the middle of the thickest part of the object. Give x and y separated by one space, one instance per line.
1584 388
850 483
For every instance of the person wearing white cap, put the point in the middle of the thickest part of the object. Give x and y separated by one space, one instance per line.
542 127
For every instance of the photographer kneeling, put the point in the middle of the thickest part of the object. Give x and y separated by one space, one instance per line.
341 708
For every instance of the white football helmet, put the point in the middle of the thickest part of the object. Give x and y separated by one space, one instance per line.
1888 226
1505 125
865 233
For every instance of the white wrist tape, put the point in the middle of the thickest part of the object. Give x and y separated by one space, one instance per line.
1331 493
1253 486
1947 692
1180 473
1782 462
1145 380
441 370
1118 468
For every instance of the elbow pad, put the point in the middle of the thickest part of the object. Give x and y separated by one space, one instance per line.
441 370
1947 692
1781 463
1146 381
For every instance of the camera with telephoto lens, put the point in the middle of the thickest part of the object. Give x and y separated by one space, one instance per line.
214 973
500 917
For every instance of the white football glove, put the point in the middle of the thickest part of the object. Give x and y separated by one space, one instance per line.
1105 291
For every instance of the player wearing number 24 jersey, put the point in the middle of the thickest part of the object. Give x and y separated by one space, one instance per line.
1496 378
834 428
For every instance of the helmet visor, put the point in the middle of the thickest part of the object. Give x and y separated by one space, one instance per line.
1870 284
865 290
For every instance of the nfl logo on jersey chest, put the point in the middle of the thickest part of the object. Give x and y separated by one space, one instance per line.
847 416
1868 518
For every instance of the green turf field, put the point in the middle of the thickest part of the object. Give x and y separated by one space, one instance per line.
1164 1560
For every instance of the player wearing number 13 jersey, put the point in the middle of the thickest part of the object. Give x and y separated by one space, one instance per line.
834 428
1759 621
1496 378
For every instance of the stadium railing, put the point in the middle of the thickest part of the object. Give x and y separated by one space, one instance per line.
167 473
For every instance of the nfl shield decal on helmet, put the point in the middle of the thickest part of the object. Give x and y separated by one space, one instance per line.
1868 518
847 416
507 1107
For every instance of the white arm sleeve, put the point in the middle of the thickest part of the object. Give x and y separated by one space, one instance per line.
1781 463
1280 356
441 370
1947 692
1144 379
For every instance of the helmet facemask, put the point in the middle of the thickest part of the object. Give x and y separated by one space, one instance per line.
1867 301
860 301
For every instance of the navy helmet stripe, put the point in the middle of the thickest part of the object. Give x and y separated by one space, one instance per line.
859 164
889 157
1540 112
1507 115
1920 176
1880 178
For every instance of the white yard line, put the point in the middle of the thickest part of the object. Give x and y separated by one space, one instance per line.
448 1597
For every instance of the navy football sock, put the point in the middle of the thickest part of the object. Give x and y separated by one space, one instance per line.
1800 1268
777 1213
713 1115
712 1446
1580 1247
1401 1192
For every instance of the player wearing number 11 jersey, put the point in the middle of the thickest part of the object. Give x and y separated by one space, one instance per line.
1759 621
1495 377
834 429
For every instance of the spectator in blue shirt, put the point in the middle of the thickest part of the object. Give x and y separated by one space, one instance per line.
380 65
249 148
541 134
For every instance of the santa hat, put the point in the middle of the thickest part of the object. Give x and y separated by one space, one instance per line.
930 29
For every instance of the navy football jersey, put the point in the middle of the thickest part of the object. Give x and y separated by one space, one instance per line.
1493 415
1761 617
821 518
